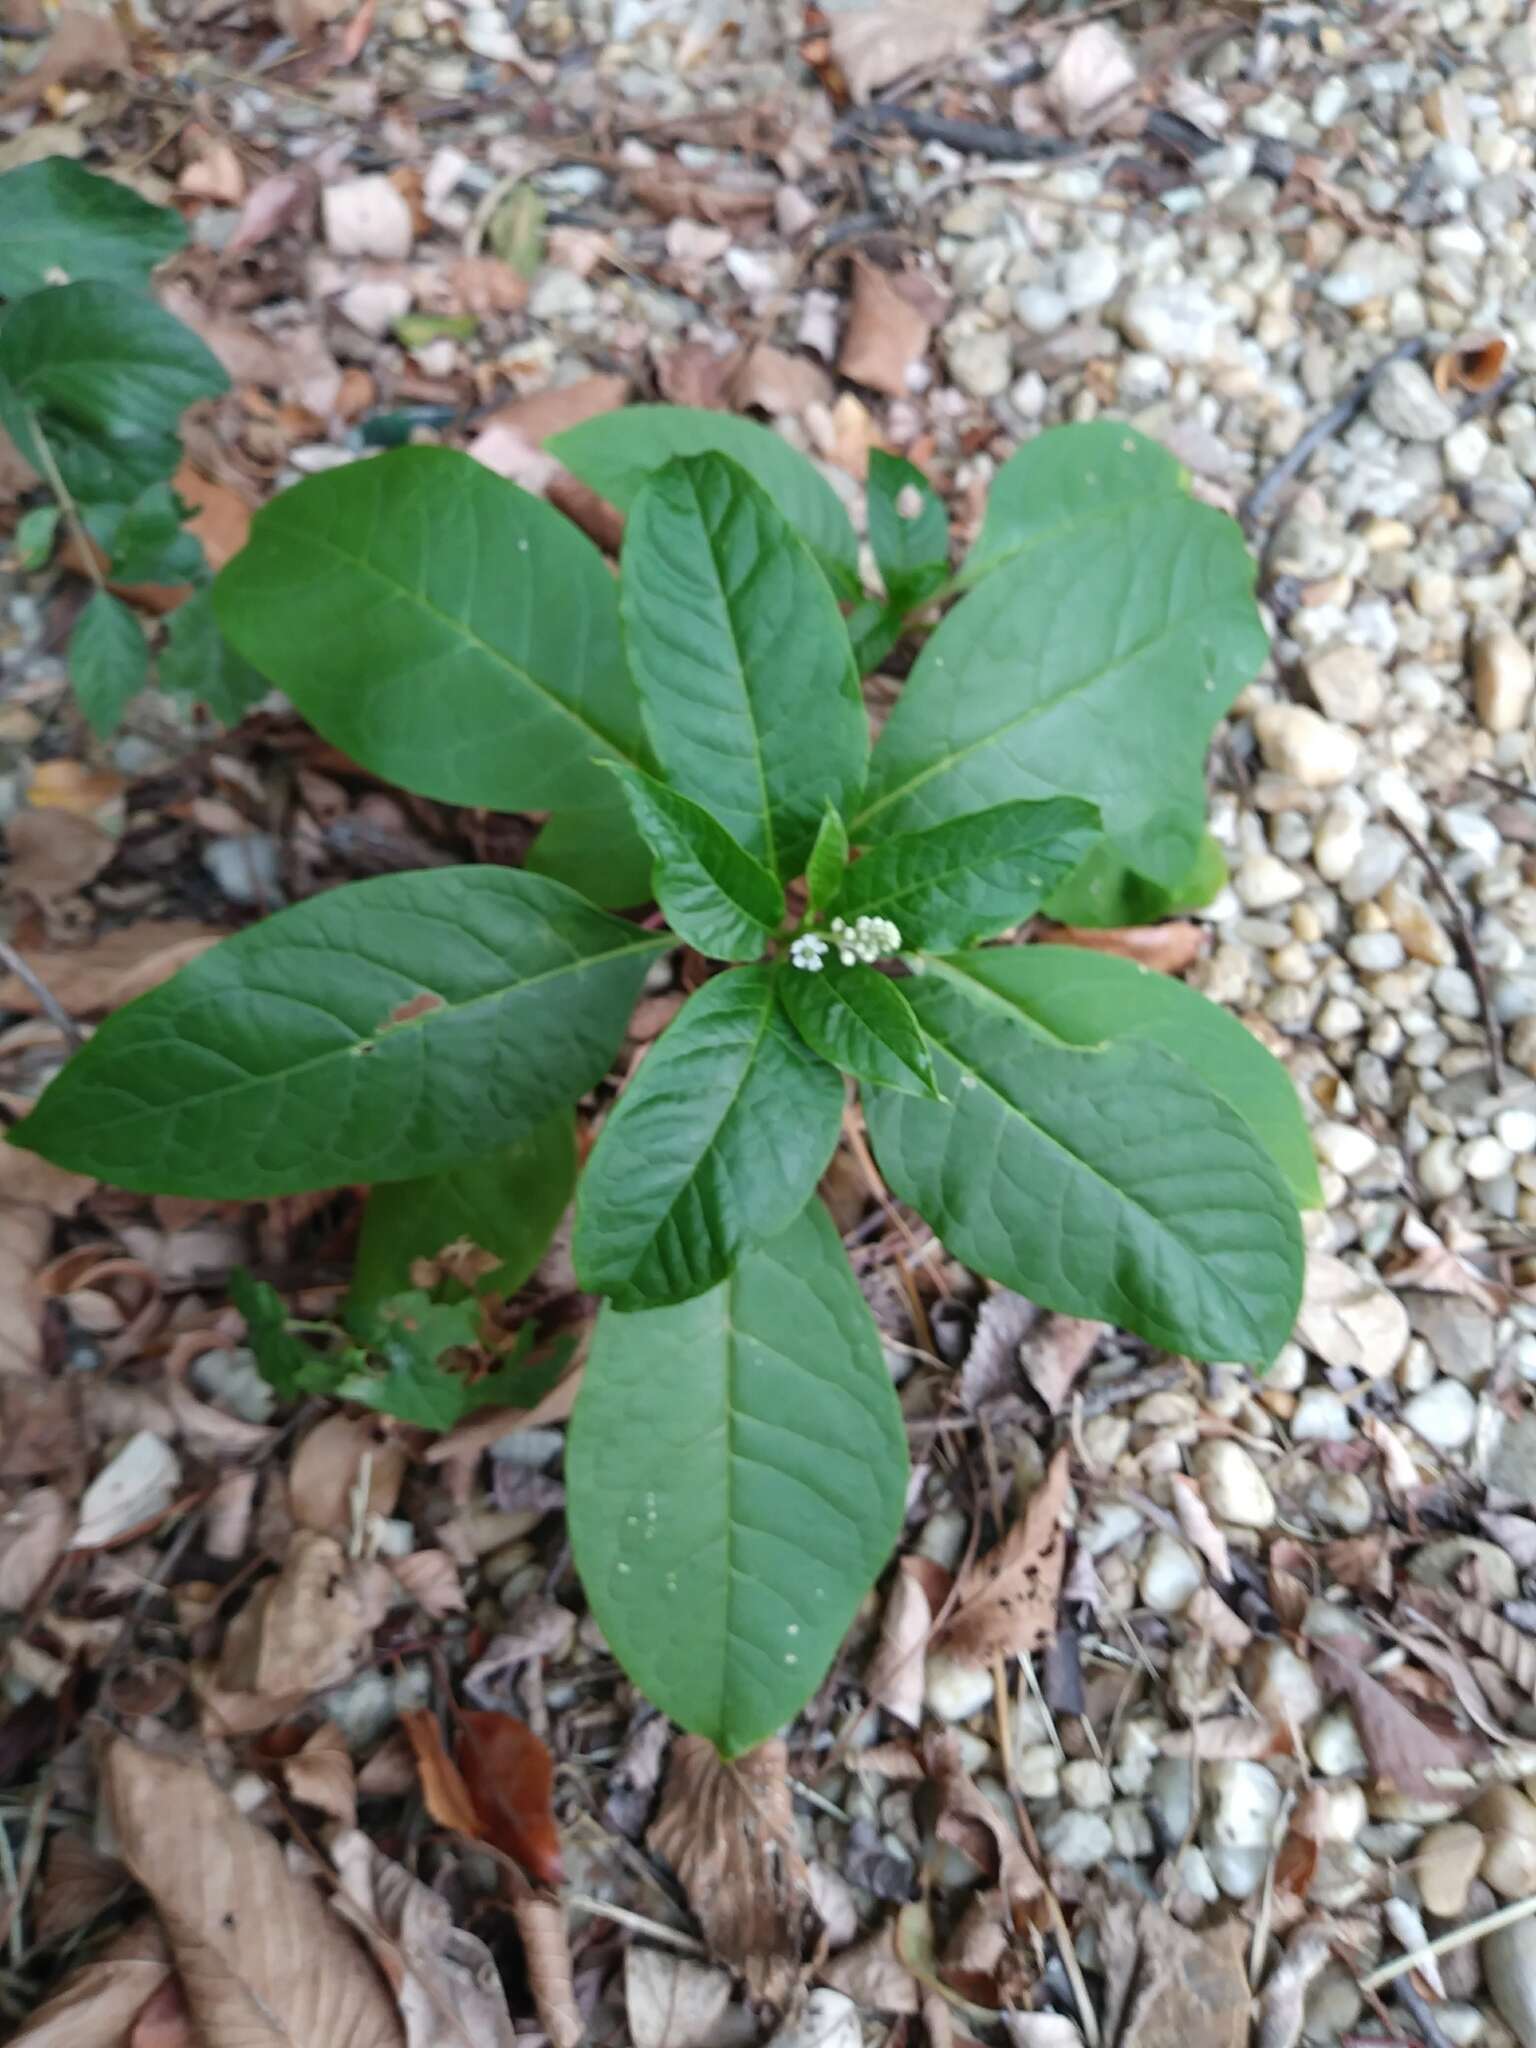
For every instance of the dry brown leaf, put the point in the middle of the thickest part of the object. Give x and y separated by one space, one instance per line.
53 854
672 2002
443 1978
482 285
76 1884
1199 1526
1398 1470
894 1679
67 785
971 1823
1302 1844
1093 73
872 45
90 980
302 1631
1510 1648
1006 1602
25 1231
1349 1319
776 382
259 1957
465 1442
321 1775
891 319
693 373
211 169
1209 1613
1439 1270
448 1799
551 411
1055 1352
1193 1985
547 1959
33 1537
327 1470
276 203
1167 948
85 46
220 517
668 190
97 2004
1232 1739
1282 2011
432 1579
248 355
993 1364
1401 1747
728 1831
228 1515
872 1974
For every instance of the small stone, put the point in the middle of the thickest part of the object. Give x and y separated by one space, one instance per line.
1405 402
561 294
1344 1810
1321 1418
1344 1147
1509 1970
1042 310
1090 276
1516 1129
1439 1169
1170 1574
955 1691
1441 1562
1077 1840
1445 1415
1346 682
1344 1500
1233 1487
1368 268
1085 1783
1338 839
1465 451
1173 1798
1335 1746
1486 1159
245 868
981 363
1376 952
829 2019
1508 1821
1263 881
1181 323
1281 1686
1132 1829
1445 1863
1503 680
1300 743
367 217
1243 1801
375 304
1038 1771
1472 832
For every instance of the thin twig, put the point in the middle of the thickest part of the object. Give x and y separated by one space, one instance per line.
621 1916
1463 925
979 138
1446 1944
52 1008
1332 422
67 505
1516 789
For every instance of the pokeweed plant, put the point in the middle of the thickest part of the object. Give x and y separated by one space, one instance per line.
94 379
1099 1137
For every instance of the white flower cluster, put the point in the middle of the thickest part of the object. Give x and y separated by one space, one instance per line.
867 939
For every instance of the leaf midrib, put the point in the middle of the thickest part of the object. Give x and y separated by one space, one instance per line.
961 869
473 639
1068 529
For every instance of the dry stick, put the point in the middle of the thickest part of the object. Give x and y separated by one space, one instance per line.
1445 1944
1452 903
1332 422
52 1008
1516 789
621 1916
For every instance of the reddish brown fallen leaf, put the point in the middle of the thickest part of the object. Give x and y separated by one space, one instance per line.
90 980
693 373
447 1796
890 322
669 190
728 1831
971 1823
1169 948
484 284
97 2004
1006 1602
259 1956
1296 1861
873 46
510 1776
1193 1985
211 169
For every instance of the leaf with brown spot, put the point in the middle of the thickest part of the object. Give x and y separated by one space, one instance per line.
1006 1603
728 1831
415 1006
260 1958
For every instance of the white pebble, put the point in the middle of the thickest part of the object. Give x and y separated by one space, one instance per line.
1077 1840
1445 1415
1516 1129
1321 1417
955 1691
1344 1147
1086 1783
1297 742
1439 1169
1170 1574
1486 1159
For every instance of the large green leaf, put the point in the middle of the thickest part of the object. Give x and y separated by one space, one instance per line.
908 530
1104 893
1113 1183
861 1022
714 1146
62 222
383 1031
108 659
736 1473
197 661
741 659
507 1204
1096 666
1072 482
594 849
617 452
1086 998
442 627
972 877
103 375
713 893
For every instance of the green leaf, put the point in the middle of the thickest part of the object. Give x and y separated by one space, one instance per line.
59 217
828 858
908 530
861 1022
145 542
1104 894
972 877
712 892
415 1388
715 1145
741 659
874 627
594 849
415 330
35 533
1111 1183
1096 666
1073 483
508 1204
108 660
618 451
285 1361
1085 998
448 631
104 375
736 1474
515 230
379 1032
197 661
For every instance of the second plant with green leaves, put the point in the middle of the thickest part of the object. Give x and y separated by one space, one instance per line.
1098 1137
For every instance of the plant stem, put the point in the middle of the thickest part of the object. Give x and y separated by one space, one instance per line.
67 505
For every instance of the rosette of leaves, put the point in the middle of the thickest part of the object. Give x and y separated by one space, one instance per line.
1098 1137
94 379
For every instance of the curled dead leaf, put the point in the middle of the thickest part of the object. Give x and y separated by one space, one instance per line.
547 1957
303 1630
76 1884
258 1955
728 1831
1006 1603
510 1776
33 1537
1199 1525
971 1823
1475 363
98 2004
1168 948
894 1679
443 1789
